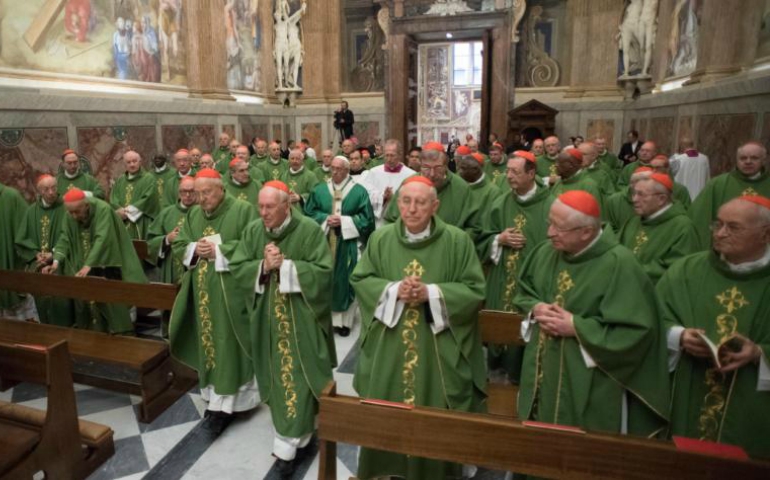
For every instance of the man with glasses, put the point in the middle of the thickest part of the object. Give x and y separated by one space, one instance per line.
661 232
240 184
723 295
750 177
595 356
384 180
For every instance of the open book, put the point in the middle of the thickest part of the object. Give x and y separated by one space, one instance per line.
731 344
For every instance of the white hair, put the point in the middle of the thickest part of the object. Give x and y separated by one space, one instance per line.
343 160
577 218
639 176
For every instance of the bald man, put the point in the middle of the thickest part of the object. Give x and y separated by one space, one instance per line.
723 295
275 166
608 159
646 153
546 164
572 175
72 176
260 154
135 197
299 178
222 153
595 170
692 167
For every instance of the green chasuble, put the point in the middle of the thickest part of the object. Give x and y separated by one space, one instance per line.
209 327
12 210
611 163
247 192
530 217
301 183
255 160
290 320
578 181
618 208
602 178
658 242
495 170
171 268
323 175
407 362
615 317
171 190
273 170
350 200
628 172
311 163
682 195
720 190
482 194
375 162
38 232
104 245
700 291
222 157
546 166
83 181
140 192
161 177
455 207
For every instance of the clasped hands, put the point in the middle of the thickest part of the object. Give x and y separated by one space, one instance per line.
511 237
333 221
693 344
554 320
206 249
273 258
412 290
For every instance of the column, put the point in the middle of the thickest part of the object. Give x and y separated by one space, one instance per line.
206 56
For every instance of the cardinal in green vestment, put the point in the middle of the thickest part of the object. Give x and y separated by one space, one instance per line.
723 295
299 179
209 328
284 267
183 166
495 167
161 173
750 177
94 242
419 283
12 209
596 355
72 177
572 175
342 208
135 197
482 192
36 238
240 185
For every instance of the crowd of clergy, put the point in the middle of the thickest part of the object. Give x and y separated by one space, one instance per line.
646 303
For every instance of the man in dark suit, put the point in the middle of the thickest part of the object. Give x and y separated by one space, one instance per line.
343 121
630 149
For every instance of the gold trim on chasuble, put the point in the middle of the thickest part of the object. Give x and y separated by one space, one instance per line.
714 403
639 241
337 197
496 174
159 185
284 347
129 194
242 196
564 284
511 267
552 169
85 242
176 261
207 339
409 338
45 233
750 191
276 173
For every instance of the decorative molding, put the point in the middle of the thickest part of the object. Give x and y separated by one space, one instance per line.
543 71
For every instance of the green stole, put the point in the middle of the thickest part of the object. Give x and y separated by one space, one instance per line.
247 192
141 192
12 209
273 171
83 181
161 178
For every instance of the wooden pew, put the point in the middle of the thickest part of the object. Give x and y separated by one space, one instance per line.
140 246
132 365
53 441
501 328
504 444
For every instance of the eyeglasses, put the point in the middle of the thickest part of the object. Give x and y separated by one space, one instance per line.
733 229
437 168
562 230
644 195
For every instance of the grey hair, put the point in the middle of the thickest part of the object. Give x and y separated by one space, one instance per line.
580 219
343 160
397 143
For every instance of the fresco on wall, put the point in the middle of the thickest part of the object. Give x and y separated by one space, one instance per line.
243 38
104 148
313 133
367 132
683 38
187 136
26 153
604 128
719 137
142 40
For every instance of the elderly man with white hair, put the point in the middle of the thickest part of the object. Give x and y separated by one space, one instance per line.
342 208
284 266
183 166
275 166
619 207
383 181
209 329
300 179
135 197
595 356
324 170
721 299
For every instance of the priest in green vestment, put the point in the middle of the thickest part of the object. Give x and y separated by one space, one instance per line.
723 295
275 166
222 154
260 154
596 354
94 242
12 209
647 152
660 164
572 176
209 328
515 225
343 210
135 197
454 193
161 173
750 177
324 171
72 177
420 284
496 166
242 153
619 207
240 185
609 160
595 170
195 159
299 178
207 161
482 192
546 164
661 232
284 268
38 232
183 168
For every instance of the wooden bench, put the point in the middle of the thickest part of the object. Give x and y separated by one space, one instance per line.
132 365
501 328
52 441
504 444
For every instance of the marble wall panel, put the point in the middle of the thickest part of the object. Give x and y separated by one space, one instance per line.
249 131
313 132
642 128
289 132
26 153
188 136
367 132
277 132
719 136
230 130
602 128
685 128
661 131
104 148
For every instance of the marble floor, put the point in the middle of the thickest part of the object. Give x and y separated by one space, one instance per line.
175 446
